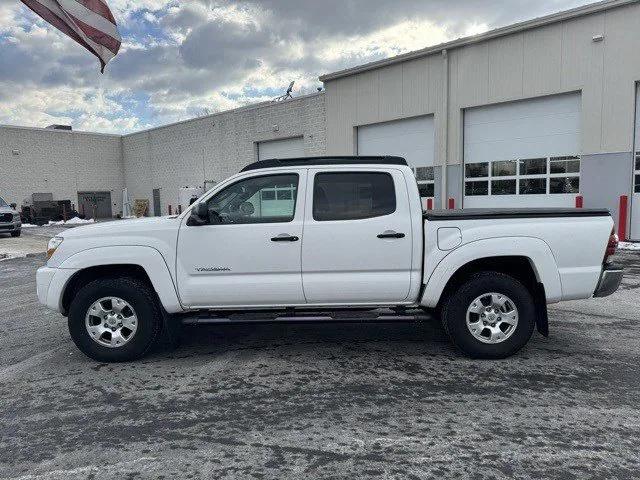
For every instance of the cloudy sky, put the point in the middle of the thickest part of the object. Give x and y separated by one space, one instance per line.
180 59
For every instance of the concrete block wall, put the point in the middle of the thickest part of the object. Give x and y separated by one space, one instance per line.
217 146
36 160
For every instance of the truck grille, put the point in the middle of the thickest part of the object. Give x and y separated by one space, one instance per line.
6 217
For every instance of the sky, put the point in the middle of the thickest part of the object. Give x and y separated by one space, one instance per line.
183 59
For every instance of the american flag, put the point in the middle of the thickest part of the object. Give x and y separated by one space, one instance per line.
88 22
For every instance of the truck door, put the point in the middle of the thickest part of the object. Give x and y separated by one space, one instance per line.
250 254
357 243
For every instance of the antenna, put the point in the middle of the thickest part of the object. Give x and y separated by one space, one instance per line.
286 95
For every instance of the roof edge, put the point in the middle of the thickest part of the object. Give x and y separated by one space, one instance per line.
491 34
243 108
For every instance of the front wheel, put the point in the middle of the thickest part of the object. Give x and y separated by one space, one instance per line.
115 319
491 315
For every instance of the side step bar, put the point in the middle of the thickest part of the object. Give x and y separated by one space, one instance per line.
341 316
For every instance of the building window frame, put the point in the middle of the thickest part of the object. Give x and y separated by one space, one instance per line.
425 178
520 176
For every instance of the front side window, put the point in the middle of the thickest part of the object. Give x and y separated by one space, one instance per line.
267 199
353 195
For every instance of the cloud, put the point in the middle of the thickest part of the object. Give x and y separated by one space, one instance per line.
181 57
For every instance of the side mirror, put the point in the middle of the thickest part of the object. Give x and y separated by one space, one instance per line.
199 215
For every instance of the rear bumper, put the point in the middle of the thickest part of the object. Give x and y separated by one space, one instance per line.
610 280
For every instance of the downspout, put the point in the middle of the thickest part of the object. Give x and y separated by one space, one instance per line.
445 135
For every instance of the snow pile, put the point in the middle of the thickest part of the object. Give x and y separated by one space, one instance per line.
629 246
72 221
28 225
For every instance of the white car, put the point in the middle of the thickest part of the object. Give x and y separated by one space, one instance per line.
9 219
321 239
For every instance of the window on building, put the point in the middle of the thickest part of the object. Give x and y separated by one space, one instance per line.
527 176
508 168
353 195
476 188
503 187
425 177
265 199
533 166
476 170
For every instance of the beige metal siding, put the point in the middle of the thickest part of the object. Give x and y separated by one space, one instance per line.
557 58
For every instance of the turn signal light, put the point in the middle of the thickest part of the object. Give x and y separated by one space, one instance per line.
53 245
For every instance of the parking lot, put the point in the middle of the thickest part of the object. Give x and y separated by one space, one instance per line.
322 401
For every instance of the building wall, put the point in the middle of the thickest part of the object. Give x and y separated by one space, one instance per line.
214 147
63 163
552 59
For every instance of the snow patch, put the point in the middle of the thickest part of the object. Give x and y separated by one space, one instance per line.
72 221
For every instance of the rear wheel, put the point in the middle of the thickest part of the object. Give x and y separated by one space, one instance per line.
491 315
115 319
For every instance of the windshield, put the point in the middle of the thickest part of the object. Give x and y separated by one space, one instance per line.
3 203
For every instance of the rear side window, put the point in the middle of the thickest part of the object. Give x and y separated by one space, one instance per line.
353 195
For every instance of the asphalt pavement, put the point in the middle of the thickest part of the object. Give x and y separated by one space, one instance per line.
322 401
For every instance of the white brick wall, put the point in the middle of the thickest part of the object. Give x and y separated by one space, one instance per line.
216 146
59 162
182 154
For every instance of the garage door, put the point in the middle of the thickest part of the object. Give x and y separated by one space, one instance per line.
634 233
287 148
523 154
411 138
95 204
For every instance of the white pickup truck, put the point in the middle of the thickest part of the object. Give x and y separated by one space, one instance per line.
322 239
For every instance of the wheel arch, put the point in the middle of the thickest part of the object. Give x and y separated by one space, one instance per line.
143 263
530 260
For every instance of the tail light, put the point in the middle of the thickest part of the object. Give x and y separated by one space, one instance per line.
612 246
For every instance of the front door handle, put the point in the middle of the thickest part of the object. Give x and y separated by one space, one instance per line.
391 234
285 237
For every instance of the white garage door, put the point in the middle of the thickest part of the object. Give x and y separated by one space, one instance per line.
411 138
634 233
523 154
287 148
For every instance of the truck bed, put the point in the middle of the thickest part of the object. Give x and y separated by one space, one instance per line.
506 213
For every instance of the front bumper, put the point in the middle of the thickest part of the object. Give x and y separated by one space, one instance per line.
610 280
50 285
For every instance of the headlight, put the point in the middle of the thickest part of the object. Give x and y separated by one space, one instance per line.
53 245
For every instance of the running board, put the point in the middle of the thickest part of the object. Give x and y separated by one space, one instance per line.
345 316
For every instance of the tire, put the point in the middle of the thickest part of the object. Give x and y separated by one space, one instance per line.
142 302
16 233
510 331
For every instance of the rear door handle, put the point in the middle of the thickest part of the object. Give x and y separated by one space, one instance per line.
391 234
285 237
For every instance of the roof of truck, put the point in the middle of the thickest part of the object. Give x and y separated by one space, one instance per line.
330 160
